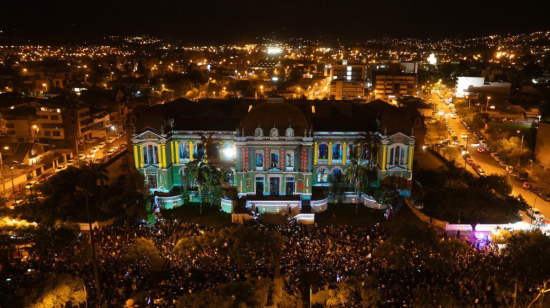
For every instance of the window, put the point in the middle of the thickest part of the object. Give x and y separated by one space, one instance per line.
259 132
198 152
152 180
289 161
56 133
47 133
274 132
289 132
259 160
323 151
322 175
397 156
183 151
337 151
150 155
336 175
275 160
54 117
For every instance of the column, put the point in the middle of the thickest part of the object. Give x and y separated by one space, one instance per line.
316 153
191 150
172 151
344 154
411 153
137 160
384 155
177 149
330 153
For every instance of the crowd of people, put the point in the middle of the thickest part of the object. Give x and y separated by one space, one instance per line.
333 254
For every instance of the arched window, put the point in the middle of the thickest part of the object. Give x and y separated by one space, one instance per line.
183 150
397 156
323 151
322 175
350 151
198 151
146 155
337 151
364 151
155 155
336 175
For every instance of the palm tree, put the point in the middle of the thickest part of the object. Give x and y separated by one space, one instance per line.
355 174
94 173
452 173
198 171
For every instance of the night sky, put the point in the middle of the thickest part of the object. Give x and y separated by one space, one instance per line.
222 21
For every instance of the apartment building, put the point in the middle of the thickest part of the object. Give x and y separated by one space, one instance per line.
347 80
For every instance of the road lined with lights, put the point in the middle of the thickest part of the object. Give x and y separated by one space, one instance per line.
490 166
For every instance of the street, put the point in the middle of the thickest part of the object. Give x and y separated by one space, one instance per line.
488 164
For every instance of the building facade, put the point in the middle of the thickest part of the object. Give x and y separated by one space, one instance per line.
275 148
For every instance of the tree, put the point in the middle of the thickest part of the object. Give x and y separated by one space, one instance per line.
140 249
525 256
454 175
57 291
441 129
357 174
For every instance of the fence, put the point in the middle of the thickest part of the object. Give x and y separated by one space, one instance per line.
305 219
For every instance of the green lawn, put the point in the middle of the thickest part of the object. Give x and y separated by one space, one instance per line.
344 214
190 213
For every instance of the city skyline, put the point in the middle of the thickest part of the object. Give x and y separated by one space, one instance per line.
224 22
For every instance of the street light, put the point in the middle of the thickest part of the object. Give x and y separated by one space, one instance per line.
488 99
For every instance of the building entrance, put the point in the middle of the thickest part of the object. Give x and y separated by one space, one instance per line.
274 186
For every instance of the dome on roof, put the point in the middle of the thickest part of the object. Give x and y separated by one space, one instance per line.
278 115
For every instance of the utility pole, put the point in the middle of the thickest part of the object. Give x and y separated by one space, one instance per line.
94 258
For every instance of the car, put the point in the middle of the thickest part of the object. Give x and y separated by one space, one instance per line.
101 145
94 150
470 161
70 162
463 135
502 164
45 177
432 122
480 150
526 186
481 173
496 159
534 213
31 184
111 139
90 141
111 152
461 146
60 168
493 155
522 176
509 169
123 145
476 166
115 149
82 156
455 138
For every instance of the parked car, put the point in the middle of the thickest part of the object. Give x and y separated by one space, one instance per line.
81 156
111 139
503 164
31 184
94 150
480 150
101 145
534 213
481 173
70 162
60 168
522 176
111 152
45 177
470 161
526 186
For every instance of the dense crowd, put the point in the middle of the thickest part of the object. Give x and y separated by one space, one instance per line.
333 253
